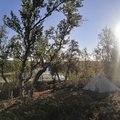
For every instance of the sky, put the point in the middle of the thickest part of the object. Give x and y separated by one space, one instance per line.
96 13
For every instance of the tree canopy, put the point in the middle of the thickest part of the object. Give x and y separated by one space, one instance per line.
32 43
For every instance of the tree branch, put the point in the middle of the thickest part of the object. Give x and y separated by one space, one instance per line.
48 14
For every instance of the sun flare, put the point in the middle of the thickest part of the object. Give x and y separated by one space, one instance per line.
117 31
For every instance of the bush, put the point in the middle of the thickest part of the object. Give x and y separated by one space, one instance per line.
59 107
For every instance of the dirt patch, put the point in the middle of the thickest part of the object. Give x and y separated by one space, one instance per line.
44 93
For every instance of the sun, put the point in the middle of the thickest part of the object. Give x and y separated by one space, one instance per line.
117 31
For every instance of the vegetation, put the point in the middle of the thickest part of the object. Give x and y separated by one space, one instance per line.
67 103
34 49
32 43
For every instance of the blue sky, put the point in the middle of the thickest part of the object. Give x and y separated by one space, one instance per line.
99 13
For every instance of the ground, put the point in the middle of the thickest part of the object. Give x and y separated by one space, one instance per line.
68 103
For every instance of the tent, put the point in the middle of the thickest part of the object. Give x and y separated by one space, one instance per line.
101 84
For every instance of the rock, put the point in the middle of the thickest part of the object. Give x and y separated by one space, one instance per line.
74 93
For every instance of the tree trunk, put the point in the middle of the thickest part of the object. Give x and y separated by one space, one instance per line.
54 85
2 72
67 72
20 78
58 77
39 73
30 94
21 92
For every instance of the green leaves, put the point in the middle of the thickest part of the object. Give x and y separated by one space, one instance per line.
4 51
70 11
3 43
16 47
32 42
13 23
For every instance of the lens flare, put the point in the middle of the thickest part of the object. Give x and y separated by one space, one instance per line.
117 31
